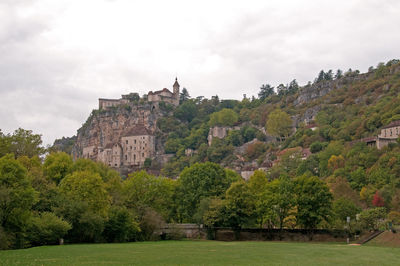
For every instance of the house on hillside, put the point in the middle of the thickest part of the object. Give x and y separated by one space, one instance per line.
389 134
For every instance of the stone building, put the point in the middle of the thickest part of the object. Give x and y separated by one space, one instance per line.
219 132
136 144
156 97
165 95
389 134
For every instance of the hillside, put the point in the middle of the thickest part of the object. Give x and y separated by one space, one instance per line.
344 108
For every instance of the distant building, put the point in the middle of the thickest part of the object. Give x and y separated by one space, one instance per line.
156 97
136 144
165 95
389 134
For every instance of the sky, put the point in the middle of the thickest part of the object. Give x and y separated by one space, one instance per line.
57 57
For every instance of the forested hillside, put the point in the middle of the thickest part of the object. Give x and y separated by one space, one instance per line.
310 169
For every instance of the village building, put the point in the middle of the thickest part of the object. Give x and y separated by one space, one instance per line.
155 98
389 134
136 144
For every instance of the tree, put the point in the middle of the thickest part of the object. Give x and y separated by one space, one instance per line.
282 89
378 201
279 124
266 90
370 219
196 182
22 142
239 205
257 185
280 198
328 75
293 87
121 225
184 96
16 199
313 201
186 111
87 189
343 208
339 74
142 190
47 229
225 117
321 76
57 165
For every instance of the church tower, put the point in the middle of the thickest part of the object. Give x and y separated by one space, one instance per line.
176 90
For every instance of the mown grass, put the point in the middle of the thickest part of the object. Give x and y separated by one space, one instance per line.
203 253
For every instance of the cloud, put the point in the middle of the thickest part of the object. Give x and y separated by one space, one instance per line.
58 57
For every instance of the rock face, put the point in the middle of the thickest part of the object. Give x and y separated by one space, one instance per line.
122 137
320 89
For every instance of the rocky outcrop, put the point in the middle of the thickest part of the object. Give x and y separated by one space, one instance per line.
320 89
105 128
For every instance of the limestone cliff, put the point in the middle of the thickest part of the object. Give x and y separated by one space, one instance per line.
105 127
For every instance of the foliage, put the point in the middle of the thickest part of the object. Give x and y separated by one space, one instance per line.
239 205
279 124
16 199
371 218
313 201
47 229
197 182
225 117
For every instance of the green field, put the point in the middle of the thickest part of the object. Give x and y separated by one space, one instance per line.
203 253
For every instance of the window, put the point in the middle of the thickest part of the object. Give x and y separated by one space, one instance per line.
134 141
142 154
131 147
134 157
126 141
126 157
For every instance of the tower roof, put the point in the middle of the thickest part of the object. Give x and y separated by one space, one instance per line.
176 82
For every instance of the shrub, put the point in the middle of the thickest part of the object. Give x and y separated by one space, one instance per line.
47 229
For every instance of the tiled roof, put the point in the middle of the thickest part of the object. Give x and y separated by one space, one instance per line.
138 130
161 91
393 124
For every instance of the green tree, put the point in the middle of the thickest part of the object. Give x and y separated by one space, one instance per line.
343 208
47 229
186 111
142 190
239 205
57 165
16 199
196 182
266 90
121 225
22 142
280 198
279 124
257 184
370 219
313 201
184 96
225 117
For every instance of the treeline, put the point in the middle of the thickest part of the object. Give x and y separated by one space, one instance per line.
44 200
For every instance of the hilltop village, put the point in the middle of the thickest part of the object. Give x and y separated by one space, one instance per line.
160 131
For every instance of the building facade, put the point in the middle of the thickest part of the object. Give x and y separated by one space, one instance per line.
136 145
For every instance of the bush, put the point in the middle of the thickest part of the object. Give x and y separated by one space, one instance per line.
371 219
316 147
47 229
121 226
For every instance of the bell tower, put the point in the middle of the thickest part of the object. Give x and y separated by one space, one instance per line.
176 90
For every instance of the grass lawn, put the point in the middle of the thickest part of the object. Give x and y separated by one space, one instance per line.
203 253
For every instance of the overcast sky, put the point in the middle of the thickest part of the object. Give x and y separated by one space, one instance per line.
57 57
